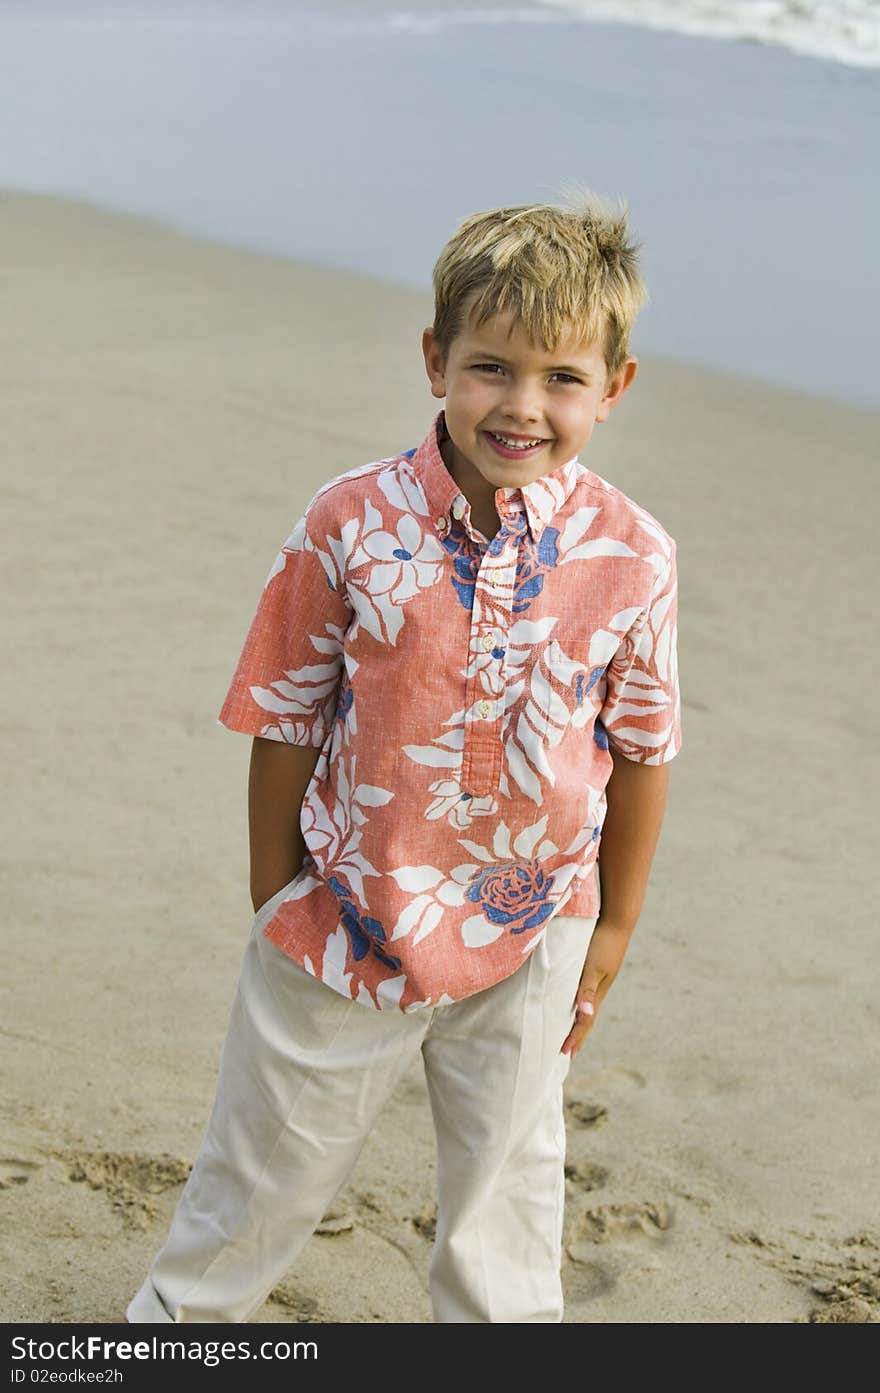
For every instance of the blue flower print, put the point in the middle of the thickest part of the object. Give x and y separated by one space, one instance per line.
514 894
365 933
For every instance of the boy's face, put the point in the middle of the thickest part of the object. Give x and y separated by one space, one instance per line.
499 387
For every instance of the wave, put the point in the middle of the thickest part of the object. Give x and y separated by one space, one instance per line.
842 31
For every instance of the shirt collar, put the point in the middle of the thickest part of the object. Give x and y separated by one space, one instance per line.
540 500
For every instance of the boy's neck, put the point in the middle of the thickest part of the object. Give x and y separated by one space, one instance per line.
479 494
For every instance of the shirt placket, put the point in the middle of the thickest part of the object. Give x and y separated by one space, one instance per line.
486 685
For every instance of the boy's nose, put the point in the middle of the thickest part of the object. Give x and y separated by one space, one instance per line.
522 405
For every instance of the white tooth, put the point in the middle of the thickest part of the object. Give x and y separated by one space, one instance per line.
517 444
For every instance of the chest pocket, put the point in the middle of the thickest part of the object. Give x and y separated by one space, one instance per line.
567 688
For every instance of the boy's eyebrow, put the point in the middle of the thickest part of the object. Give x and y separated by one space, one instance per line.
551 367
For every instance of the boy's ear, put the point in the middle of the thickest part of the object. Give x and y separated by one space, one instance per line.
435 364
616 386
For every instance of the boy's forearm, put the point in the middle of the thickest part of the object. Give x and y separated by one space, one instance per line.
636 795
279 776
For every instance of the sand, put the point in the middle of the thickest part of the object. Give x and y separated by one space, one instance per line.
169 408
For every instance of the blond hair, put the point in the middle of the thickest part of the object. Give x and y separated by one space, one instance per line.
551 266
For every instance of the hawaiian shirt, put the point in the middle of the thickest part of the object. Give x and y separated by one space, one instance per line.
466 695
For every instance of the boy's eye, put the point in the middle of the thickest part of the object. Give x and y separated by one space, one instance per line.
565 377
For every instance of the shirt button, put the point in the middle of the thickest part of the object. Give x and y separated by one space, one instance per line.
485 708
441 524
488 641
458 508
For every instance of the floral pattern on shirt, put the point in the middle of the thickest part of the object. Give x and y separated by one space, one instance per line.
466 695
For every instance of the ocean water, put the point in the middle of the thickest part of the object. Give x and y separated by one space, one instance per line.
846 31
358 136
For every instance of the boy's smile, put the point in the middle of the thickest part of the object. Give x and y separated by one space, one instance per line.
515 411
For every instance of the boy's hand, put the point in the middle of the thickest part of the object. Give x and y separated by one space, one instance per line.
605 954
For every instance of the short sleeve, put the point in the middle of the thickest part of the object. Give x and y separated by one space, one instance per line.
641 712
286 684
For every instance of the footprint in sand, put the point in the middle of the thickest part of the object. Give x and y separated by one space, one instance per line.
845 1273
586 1175
426 1223
586 1114
303 1308
608 1222
591 1268
129 1179
14 1171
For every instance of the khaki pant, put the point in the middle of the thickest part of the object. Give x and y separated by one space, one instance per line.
303 1076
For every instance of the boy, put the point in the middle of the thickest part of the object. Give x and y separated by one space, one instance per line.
462 672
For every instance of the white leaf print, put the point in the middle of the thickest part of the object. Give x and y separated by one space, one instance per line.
521 772
372 517
433 915
658 612
579 523
357 858
600 546
401 489
417 877
501 841
624 619
546 849
642 737
270 702
661 653
529 837
334 564
531 631
304 887
352 875
363 997
325 645
372 796
603 646
297 539
317 673
631 708
393 621
429 754
455 740
309 965
462 874
389 992
642 679
349 536
335 950
477 931
475 850
409 916
366 612
451 894
579 840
